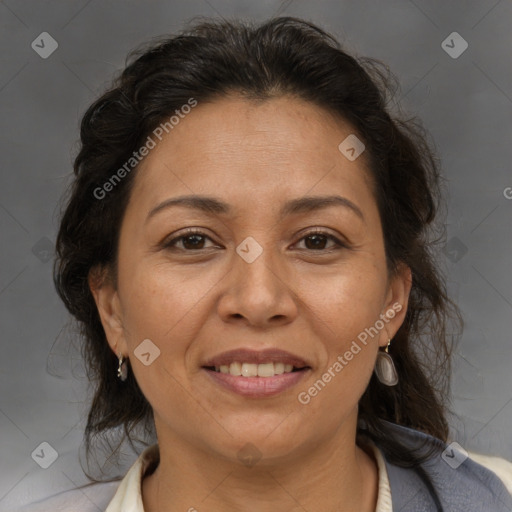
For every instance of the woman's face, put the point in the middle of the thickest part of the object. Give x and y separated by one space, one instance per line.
255 278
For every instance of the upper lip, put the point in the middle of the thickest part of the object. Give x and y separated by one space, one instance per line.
242 355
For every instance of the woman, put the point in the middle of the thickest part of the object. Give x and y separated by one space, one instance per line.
246 249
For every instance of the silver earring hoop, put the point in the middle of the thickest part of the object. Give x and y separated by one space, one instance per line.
122 369
385 367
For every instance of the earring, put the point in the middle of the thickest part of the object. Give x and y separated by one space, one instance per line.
385 367
122 369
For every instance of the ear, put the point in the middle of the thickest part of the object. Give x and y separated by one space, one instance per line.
397 300
109 308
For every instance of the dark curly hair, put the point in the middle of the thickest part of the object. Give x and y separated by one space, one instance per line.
283 56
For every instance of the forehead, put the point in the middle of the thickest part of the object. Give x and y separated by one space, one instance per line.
273 148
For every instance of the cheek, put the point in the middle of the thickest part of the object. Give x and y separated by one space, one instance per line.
346 300
345 307
158 299
162 306
349 347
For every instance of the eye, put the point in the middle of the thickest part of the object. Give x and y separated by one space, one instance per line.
317 240
194 240
191 240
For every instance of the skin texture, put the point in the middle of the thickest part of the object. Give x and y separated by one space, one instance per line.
196 303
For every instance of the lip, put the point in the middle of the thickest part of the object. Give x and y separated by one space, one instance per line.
257 387
242 355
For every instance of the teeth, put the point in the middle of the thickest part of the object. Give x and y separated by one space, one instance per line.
266 370
235 369
249 370
255 370
278 368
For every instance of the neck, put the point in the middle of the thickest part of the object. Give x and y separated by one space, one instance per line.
336 475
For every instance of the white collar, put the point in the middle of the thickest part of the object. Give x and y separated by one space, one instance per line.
128 497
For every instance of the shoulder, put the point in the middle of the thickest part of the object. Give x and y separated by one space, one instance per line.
89 498
500 467
449 477
112 496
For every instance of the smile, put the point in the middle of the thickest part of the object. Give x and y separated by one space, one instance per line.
256 374
269 369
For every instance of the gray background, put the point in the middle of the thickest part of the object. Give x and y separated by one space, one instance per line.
465 103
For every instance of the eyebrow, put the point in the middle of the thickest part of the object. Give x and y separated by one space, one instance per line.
211 205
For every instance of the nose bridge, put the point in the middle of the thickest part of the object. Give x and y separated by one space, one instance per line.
256 289
255 262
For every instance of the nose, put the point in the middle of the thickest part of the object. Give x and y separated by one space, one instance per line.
258 293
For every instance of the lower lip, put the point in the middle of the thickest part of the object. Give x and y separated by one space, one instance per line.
257 387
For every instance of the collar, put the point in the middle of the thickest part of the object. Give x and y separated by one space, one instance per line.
128 497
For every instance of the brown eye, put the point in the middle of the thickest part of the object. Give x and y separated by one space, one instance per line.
191 240
317 241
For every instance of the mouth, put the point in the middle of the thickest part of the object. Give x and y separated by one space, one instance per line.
265 370
256 374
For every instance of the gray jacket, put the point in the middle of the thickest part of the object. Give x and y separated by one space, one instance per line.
461 486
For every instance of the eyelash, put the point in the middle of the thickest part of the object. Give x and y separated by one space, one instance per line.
192 231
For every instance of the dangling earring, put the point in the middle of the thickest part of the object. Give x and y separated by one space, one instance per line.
385 367
122 369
